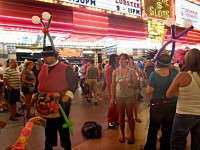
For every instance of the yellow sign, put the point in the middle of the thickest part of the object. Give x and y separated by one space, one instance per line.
160 9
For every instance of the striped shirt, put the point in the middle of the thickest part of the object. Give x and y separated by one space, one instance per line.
14 77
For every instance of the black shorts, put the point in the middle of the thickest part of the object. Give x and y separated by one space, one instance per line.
13 96
25 90
1 87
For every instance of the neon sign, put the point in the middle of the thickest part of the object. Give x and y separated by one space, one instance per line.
159 9
187 10
131 7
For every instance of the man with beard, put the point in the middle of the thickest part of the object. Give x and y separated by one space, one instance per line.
57 82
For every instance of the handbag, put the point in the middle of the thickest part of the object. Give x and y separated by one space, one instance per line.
91 129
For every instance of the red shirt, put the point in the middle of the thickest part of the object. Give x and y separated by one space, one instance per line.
109 71
86 66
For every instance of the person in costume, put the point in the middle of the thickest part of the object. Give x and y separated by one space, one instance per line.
57 84
56 79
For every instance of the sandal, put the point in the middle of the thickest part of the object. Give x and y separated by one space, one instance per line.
19 115
138 120
131 141
13 118
121 140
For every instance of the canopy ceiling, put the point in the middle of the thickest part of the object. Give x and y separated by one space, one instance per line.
76 24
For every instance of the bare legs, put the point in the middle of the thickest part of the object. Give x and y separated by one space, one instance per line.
129 110
28 105
100 91
135 105
12 109
121 108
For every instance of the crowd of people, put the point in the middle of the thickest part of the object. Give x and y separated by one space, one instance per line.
170 91
174 103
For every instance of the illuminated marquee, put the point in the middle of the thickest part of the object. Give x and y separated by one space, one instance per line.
82 2
187 10
131 7
159 9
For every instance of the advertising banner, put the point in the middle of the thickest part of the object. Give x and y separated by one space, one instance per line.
131 7
70 52
110 50
186 10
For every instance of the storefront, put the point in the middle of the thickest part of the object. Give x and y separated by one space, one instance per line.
74 23
157 12
93 25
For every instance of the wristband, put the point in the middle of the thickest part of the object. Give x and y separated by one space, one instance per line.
70 94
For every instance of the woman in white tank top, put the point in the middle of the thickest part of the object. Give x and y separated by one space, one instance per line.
187 117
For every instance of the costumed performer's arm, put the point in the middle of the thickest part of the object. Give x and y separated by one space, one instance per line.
72 84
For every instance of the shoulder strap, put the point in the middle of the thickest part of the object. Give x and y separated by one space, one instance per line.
195 78
168 79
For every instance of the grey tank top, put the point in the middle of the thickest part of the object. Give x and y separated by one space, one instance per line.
124 91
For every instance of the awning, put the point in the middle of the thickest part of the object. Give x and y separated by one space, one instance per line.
16 15
125 27
76 24
89 25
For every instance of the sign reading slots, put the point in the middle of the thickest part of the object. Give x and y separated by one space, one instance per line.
159 9
131 7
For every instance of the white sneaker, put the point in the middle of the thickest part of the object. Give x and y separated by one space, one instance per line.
110 124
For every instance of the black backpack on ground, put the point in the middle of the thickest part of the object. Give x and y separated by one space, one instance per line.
91 129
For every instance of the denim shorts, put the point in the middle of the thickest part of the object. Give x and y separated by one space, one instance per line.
125 100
